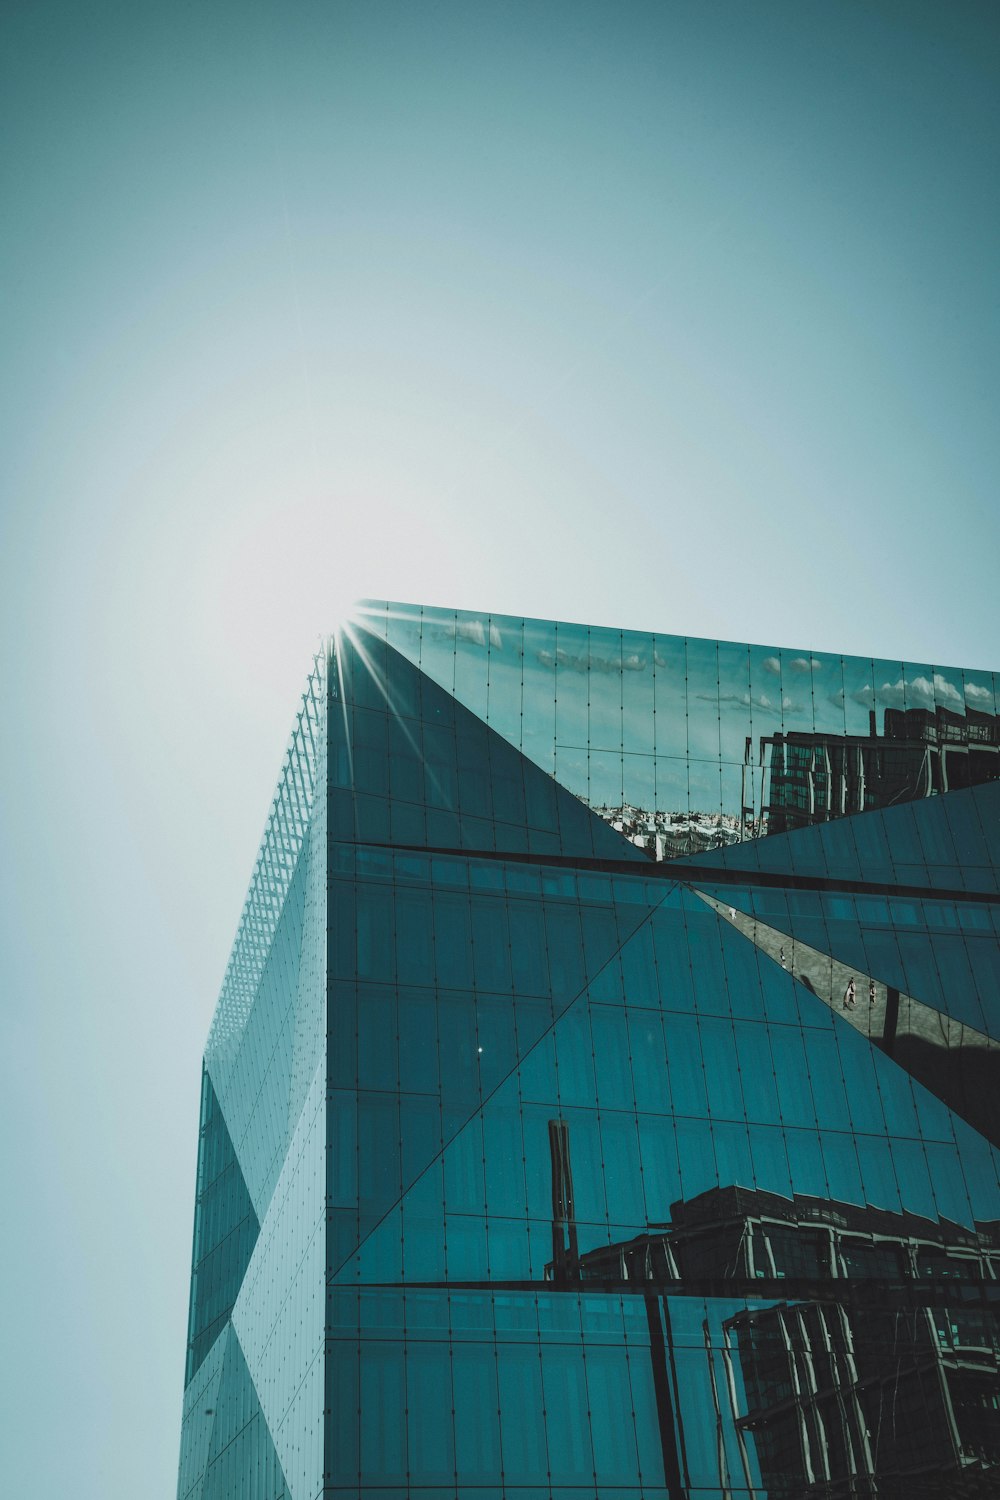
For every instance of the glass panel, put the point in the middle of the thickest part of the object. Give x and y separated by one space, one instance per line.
638 698
505 658
734 700
605 684
703 699
538 696
670 695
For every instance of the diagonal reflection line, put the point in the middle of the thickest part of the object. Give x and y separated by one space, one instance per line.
953 1060
637 858
331 1276
801 961
679 872
382 687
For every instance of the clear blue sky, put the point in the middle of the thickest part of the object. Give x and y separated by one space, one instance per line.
678 316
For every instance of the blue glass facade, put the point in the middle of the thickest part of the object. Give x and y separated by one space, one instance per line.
601 1099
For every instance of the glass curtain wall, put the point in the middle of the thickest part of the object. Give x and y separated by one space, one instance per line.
658 981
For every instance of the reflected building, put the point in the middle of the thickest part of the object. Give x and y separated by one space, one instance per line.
664 835
546 1149
811 778
878 1370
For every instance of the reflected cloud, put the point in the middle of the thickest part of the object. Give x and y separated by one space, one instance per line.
574 662
755 700
921 692
773 665
475 632
863 695
805 664
974 693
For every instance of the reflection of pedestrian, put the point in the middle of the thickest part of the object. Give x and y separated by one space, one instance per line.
850 998
782 956
732 914
871 992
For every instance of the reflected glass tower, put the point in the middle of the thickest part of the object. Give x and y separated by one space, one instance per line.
602 1096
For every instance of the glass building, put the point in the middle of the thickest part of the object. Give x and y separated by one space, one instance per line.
603 1097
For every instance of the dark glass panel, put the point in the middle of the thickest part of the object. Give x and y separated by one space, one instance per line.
658 1147
610 1046
805 1161
722 1076
696 1154
621 1169
685 1063
878 1173
610 1403
840 1152
429 1419
574 1055
383 1398
522 1427
770 1160
734 1157
378 1063
564 1390
477 1417
757 1071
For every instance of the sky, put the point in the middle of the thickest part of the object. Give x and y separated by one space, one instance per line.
677 316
